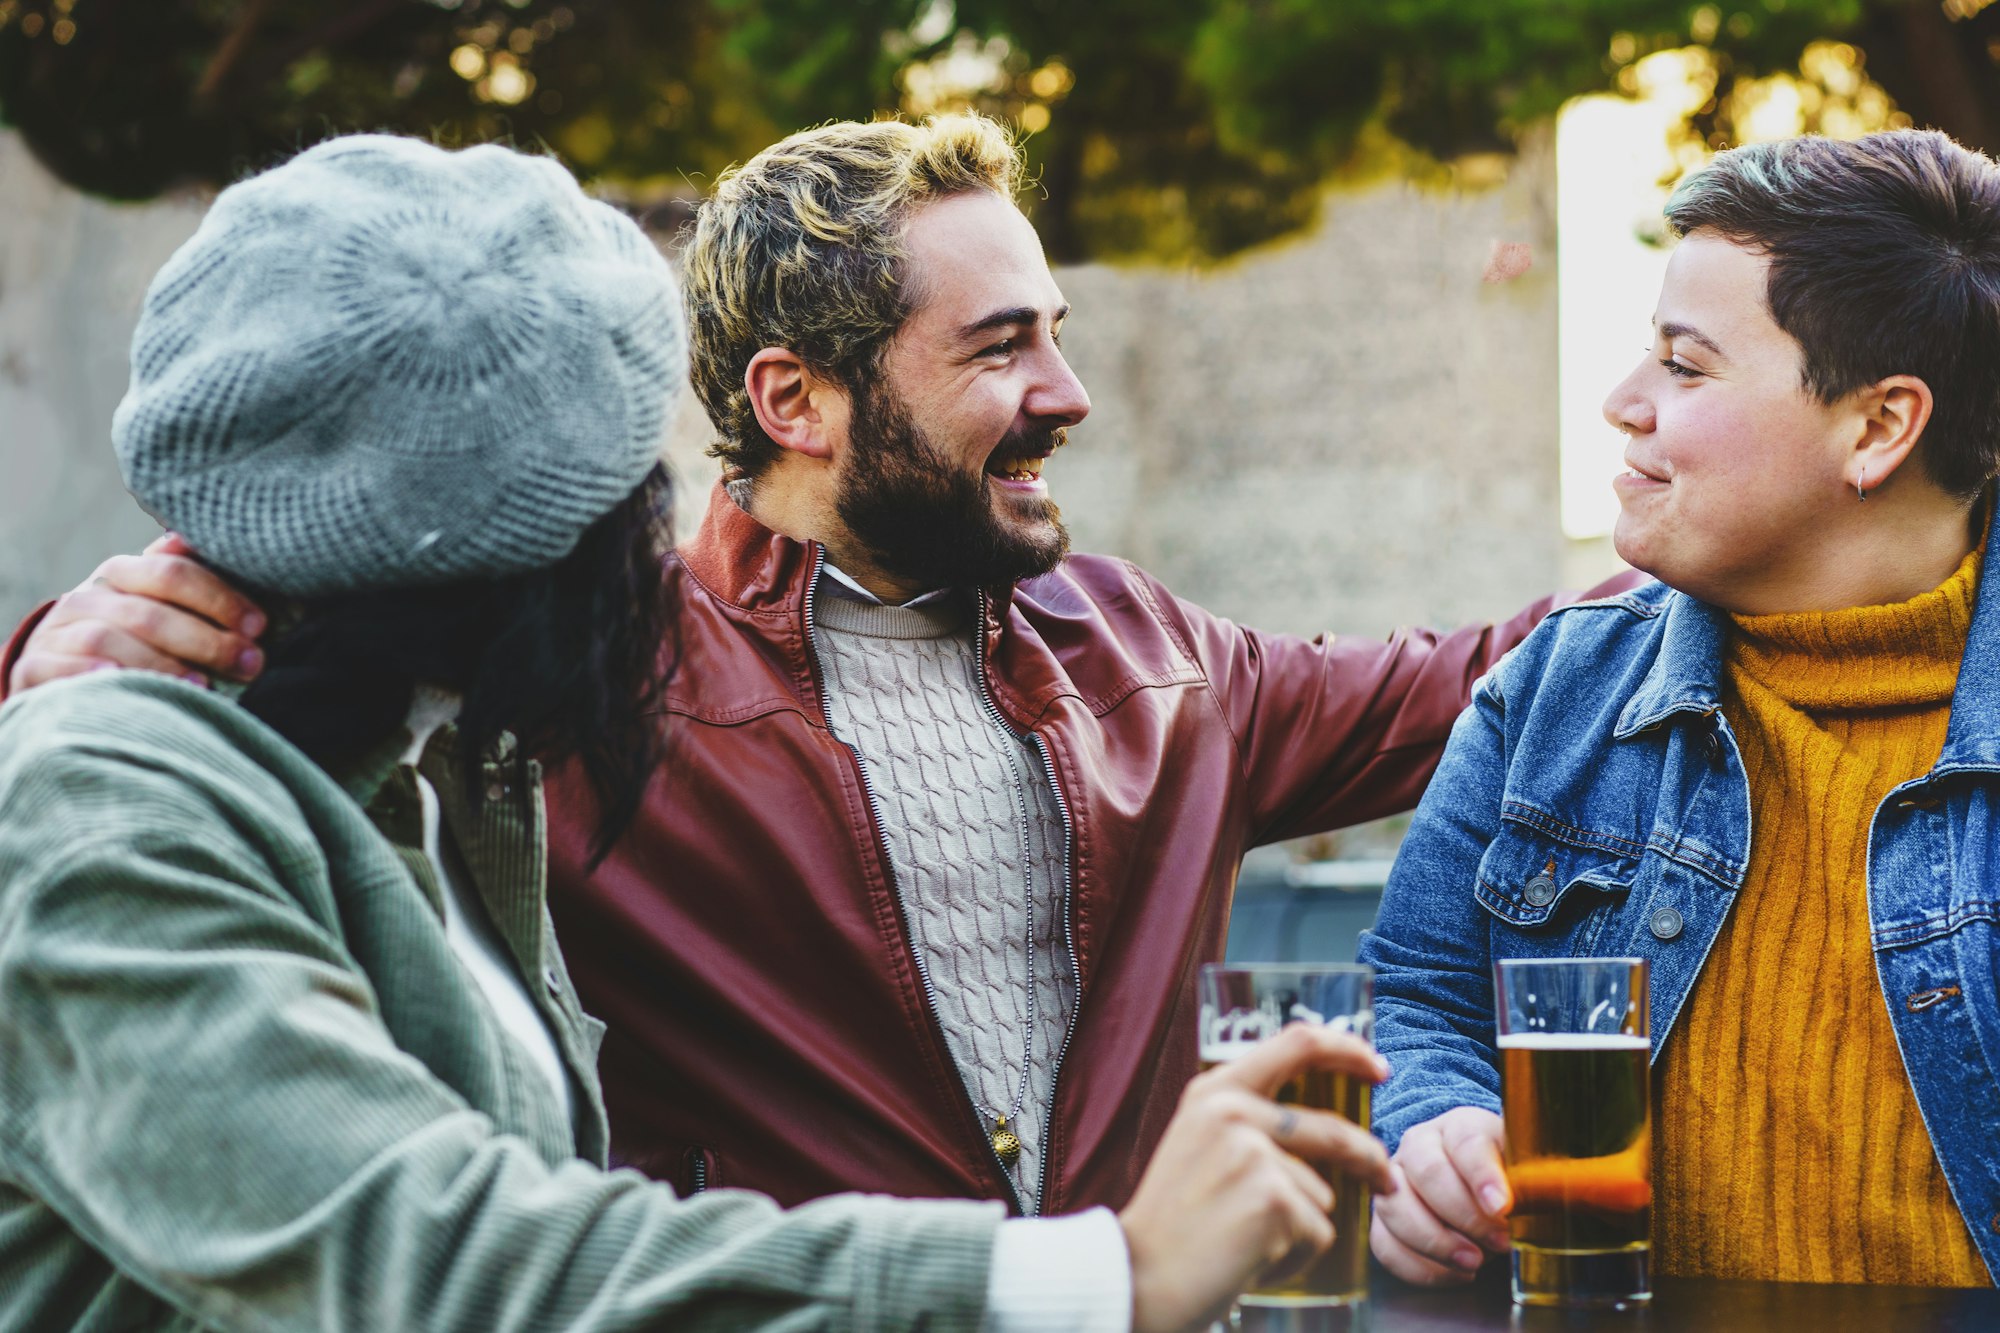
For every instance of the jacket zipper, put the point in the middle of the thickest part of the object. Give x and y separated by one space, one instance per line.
902 908
1069 930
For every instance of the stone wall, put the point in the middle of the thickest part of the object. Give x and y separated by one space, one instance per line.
72 272
1350 431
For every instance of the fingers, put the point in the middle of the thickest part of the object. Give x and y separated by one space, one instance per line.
133 629
1307 1230
169 543
36 668
1434 1175
1407 1263
1310 1184
1301 1046
1418 1229
1472 1139
102 642
1334 1142
169 575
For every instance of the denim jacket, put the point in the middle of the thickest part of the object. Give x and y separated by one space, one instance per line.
1593 802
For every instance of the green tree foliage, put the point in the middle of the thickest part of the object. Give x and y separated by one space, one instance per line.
1165 129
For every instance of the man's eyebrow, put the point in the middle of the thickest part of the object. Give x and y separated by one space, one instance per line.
1692 334
1010 318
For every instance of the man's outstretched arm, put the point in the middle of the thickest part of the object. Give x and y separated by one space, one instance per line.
1339 730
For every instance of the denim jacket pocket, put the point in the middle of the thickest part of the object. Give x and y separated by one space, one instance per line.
1541 882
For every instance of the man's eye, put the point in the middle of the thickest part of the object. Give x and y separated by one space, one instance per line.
1679 371
1005 347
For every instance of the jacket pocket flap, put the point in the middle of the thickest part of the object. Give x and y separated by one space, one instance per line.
1527 875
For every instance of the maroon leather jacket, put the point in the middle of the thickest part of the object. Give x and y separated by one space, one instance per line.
768 1027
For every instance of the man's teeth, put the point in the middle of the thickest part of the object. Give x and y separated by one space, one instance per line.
1022 469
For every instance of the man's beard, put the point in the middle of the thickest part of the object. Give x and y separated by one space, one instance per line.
927 522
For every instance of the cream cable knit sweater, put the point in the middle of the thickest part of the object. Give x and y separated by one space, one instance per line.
902 688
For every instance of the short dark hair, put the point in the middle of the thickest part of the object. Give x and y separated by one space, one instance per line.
1884 260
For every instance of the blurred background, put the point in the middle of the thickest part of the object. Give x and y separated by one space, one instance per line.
1350 277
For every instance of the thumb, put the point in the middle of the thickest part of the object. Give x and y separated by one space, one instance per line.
1473 1146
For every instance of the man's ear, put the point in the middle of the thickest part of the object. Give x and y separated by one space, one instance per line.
799 410
1892 414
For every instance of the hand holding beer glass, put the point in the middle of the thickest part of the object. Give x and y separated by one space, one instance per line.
1574 1047
1242 1006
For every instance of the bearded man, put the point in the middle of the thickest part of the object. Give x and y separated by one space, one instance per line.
950 816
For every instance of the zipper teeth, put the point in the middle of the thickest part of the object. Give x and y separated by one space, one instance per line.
1069 928
1028 891
1076 973
889 868
700 1170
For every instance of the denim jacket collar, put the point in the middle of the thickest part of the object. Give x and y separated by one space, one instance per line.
1683 678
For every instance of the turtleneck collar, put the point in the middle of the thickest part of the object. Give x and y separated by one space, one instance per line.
1902 655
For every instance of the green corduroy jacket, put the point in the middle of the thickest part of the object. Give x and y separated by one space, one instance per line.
245 1083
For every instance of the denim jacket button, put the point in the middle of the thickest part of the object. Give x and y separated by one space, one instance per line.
1541 891
1665 924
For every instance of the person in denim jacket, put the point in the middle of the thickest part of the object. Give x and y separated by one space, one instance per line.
1774 774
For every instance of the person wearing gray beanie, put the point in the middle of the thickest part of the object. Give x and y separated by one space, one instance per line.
289 1043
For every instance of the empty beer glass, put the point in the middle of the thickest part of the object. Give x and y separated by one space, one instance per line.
1241 1006
1574 1049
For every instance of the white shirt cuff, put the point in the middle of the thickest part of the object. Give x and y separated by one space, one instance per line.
1071 1273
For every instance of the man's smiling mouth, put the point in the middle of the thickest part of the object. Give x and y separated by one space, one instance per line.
1017 469
1019 456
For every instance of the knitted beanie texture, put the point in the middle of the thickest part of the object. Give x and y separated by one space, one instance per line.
383 364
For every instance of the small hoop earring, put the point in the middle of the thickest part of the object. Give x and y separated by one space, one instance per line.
1860 494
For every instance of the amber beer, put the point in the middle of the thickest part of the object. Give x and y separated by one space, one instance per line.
1578 1143
1579 1153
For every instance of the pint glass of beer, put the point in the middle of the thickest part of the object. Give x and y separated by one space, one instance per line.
1241 1006
1574 1046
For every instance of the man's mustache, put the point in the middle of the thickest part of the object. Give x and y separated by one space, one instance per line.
1032 443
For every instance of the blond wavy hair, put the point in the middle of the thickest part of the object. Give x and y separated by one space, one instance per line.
801 247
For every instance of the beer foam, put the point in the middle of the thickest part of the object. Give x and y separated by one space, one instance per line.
1222 1052
1574 1041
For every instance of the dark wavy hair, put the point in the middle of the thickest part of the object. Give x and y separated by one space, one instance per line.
572 659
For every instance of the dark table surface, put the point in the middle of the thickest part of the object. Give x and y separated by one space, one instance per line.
1679 1305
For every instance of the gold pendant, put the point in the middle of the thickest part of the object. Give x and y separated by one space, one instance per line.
1005 1144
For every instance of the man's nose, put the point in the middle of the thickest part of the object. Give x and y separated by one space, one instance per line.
1059 398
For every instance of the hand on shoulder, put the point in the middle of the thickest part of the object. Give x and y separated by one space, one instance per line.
161 610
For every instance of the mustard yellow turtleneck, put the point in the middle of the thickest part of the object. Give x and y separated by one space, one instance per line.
1790 1145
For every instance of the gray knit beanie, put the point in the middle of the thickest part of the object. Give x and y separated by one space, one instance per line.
383 365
